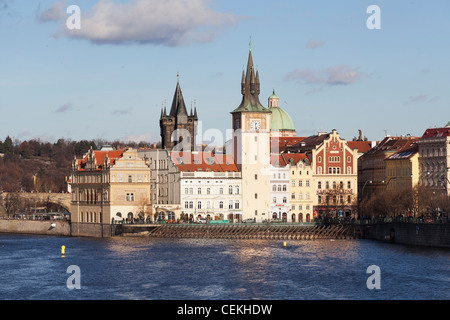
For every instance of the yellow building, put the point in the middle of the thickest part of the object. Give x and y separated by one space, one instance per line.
108 186
402 167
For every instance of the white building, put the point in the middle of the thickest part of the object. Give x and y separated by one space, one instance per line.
210 186
279 188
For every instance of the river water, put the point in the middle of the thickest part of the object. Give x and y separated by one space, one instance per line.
125 268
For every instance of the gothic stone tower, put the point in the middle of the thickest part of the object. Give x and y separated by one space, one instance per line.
178 129
251 146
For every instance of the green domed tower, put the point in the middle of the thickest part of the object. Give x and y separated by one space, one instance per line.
281 123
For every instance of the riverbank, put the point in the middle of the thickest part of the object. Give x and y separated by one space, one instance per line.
409 233
38 227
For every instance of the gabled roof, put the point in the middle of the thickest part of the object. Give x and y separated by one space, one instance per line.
100 156
406 153
294 158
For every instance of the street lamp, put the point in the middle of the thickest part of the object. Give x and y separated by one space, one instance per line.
389 180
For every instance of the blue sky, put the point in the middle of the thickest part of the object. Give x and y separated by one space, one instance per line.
109 79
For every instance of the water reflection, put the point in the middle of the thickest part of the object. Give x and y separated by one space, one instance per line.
147 268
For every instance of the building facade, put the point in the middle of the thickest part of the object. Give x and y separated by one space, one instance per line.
109 186
279 186
210 186
434 158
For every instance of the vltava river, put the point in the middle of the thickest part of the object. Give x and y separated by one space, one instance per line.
31 267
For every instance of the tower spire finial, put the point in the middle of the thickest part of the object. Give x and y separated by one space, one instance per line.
250 44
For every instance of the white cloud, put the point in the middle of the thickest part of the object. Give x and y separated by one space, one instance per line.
56 12
336 75
169 22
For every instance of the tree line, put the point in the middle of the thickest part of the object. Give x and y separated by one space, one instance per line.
40 166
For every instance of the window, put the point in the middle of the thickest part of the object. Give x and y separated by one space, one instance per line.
221 205
236 204
186 204
293 207
319 199
292 195
130 178
274 200
274 188
334 184
300 196
300 183
307 196
230 204
191 191
319 185
199 190
208 190
199 205
256 177
237 189
307 183
349 185
284 187
293 183
256 196
186 190
284 200
130 196
191 204
327 185
230 190
221 191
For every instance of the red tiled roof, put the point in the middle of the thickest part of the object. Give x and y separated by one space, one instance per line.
113 155
362 146
437 132
277 160
203 161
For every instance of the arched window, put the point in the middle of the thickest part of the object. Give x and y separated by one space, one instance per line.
230 190
236 204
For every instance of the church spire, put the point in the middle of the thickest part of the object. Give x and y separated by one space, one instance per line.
250 88
178 106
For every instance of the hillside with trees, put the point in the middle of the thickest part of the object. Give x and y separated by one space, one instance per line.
37 166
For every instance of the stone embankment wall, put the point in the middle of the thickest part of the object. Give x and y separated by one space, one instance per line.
60 228
419 234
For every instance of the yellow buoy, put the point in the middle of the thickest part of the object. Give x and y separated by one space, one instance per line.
63 250
284 244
